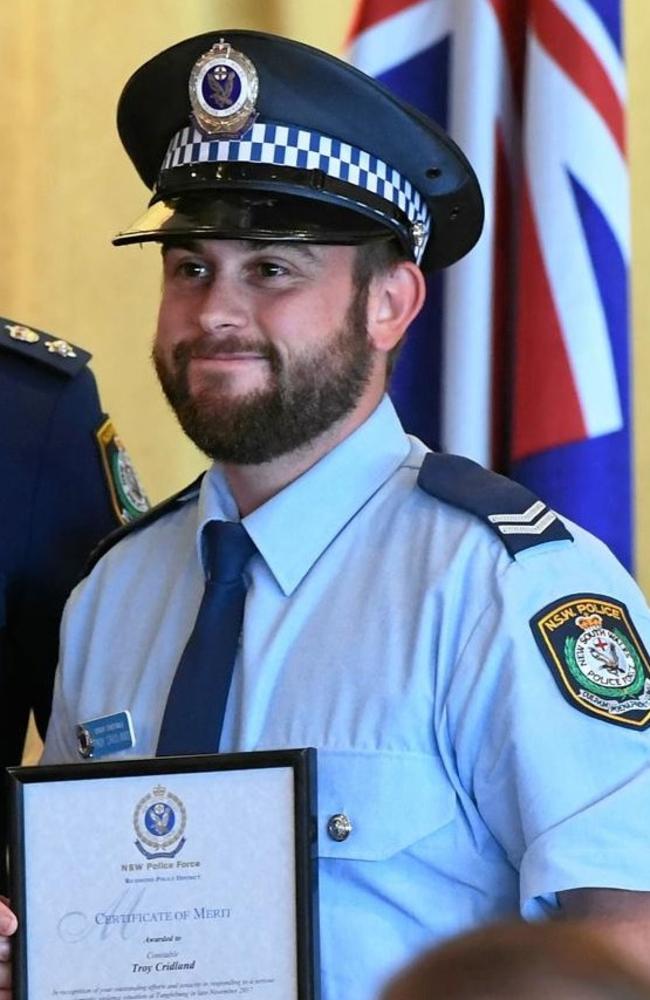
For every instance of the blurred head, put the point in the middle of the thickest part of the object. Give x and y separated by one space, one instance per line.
554 961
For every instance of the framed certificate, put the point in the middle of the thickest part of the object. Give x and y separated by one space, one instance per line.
176 877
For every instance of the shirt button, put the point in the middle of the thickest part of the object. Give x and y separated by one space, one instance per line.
339 827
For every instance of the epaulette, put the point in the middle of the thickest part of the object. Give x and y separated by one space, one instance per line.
36 345
160 509
517 516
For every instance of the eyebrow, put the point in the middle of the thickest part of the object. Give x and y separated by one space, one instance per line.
192 246
302 248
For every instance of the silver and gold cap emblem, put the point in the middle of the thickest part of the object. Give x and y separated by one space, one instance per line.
223 91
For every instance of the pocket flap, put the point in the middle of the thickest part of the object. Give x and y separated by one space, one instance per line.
390 799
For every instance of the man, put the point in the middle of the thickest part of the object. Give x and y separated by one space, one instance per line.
510 961
65 482
470 668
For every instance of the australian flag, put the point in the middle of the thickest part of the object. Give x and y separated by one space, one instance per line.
521 359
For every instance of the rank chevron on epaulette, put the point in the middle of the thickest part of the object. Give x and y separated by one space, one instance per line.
463 483
528 523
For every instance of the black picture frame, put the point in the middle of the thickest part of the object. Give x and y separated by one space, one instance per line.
301 761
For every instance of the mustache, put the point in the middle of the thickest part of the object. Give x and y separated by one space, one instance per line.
209 346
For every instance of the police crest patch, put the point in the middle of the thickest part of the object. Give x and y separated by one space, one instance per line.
127 495
596 657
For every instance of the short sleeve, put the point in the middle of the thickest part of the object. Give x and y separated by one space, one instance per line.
564 789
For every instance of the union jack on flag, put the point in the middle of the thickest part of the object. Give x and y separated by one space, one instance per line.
520 360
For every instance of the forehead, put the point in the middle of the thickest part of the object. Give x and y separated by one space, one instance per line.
311 253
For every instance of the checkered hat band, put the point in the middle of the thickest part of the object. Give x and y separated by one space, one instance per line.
294 147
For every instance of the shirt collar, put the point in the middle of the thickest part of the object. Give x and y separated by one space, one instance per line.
293 528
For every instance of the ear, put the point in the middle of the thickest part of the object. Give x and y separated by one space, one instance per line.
394 300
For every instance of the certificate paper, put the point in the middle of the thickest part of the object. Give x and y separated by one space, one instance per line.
170 879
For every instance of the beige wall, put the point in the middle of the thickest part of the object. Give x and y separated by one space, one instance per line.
67 187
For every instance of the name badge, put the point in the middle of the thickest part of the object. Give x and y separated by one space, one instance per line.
110 734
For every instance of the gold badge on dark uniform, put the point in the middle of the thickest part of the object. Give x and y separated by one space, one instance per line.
23 333
61 347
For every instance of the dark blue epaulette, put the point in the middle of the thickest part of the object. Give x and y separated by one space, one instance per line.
516 515
162 508
43 348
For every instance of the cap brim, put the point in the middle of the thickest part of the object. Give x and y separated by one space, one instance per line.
249 215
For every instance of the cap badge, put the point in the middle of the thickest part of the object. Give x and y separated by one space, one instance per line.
223 91
23 333
61 347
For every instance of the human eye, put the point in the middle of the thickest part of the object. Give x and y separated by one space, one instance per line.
192 270
186 267
270 269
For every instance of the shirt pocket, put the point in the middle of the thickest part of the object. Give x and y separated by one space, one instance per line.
391 801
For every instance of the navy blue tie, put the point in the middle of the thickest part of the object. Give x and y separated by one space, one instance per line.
196 704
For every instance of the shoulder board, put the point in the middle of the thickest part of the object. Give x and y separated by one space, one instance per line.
165 507
36 345
516 515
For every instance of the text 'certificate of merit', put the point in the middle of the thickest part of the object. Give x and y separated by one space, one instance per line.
167 879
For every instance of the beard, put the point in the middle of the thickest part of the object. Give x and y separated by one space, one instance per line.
305 397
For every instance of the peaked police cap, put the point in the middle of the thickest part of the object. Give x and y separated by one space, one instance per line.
242 134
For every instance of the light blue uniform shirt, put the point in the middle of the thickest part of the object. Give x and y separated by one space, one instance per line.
391 631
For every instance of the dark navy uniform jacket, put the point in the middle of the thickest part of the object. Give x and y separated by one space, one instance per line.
58 497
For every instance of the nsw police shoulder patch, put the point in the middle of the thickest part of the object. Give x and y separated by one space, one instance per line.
127 496
596 657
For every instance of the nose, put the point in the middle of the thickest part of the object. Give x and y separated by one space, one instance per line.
223 306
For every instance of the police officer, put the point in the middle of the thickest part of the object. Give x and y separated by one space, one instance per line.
471 668
65 482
